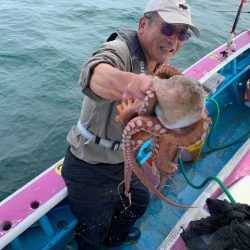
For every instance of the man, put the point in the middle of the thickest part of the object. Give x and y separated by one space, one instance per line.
93 165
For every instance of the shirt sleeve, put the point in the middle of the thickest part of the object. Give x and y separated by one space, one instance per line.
114 53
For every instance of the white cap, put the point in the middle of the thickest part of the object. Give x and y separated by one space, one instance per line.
173 11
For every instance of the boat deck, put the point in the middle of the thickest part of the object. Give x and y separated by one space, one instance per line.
236 169
161 218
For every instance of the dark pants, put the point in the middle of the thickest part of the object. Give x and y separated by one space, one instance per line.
95 201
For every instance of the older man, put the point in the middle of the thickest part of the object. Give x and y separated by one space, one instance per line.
93 165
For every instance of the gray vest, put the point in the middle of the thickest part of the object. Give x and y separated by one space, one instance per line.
137 57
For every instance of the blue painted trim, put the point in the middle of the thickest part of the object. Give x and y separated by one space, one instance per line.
16 244
46 225
60 235
234 66
226 84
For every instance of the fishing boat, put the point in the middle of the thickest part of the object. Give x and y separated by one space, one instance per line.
38 215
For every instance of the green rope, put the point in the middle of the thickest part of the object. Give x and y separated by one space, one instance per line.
208 144
214 124
210 178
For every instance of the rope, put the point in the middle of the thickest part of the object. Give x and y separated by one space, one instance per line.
204 183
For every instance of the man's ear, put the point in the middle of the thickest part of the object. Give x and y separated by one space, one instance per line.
142 24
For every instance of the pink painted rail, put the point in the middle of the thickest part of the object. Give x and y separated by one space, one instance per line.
32 198
214 61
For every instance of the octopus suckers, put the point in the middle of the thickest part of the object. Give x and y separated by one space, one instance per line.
149 124
139 123
132 124
125 132
156 150
163 131
157 127
127 129
148 92
151 95
139 142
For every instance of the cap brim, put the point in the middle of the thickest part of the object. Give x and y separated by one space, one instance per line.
175 18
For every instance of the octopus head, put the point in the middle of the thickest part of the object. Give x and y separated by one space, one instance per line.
181 101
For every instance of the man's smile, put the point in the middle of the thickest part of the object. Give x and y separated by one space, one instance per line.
166 48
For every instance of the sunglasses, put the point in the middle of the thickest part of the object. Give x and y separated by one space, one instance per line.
170 29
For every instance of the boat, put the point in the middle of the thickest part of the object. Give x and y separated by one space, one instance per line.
38 216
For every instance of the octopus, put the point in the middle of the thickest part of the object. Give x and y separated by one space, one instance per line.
173 116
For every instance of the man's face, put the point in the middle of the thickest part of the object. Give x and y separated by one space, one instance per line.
157 46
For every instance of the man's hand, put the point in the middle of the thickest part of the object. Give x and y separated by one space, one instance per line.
137 87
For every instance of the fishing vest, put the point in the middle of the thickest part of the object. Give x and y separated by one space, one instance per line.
138 64
137 57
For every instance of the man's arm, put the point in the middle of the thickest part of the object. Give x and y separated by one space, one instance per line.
112 84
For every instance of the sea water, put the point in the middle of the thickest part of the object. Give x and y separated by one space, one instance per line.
43 45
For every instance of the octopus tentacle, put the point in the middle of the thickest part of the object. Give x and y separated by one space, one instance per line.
149 103
188 136
167 159
126 111
166 71
127 179
167 163
139 125
137 170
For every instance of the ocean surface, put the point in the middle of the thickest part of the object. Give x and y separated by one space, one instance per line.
43 45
